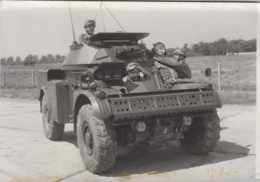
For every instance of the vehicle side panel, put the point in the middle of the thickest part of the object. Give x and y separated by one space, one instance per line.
58 101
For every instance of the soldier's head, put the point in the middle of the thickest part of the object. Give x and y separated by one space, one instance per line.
178 55
133 71
89 26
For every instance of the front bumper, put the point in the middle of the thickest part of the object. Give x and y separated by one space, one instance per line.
162 105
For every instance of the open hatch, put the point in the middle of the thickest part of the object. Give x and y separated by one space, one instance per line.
103 39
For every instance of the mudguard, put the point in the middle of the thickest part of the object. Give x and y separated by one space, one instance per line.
100 109
57 94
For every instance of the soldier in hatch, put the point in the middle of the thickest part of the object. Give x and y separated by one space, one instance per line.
181 67
89 27
135 73
171 71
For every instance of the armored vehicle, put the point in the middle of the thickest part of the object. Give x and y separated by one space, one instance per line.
108 110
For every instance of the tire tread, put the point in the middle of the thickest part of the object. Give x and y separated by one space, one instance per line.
52 130
105 149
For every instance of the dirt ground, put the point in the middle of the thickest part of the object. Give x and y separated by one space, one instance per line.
27 155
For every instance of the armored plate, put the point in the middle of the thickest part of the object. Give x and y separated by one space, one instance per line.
99 49
117 37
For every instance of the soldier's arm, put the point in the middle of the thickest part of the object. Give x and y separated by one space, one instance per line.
80 39
182 68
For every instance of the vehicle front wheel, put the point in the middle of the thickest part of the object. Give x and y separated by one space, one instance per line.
96 141
52 129
203 135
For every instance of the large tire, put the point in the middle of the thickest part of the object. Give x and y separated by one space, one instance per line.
52 129
203 135
96 141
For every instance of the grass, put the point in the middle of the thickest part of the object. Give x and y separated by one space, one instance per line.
238 97
238 72
20 77
238 77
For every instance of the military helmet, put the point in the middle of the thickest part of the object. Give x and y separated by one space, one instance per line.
89 22
178 52
132 65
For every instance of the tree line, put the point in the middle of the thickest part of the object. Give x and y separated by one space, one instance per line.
33 59
220 47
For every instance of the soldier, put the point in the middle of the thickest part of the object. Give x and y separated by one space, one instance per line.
135 73
180 66
89 27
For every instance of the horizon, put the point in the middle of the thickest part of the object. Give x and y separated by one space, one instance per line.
39 56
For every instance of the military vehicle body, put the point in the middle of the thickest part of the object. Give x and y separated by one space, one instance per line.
109 111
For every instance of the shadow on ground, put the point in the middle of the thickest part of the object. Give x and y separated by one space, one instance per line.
171 158
70 137
165 157
226 117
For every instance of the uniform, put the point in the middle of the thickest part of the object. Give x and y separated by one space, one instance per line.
83 38
167 74
181 67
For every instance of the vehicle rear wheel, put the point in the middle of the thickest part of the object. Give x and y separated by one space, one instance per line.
96 141
203 135
52 129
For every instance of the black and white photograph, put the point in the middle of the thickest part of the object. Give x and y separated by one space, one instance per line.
129 91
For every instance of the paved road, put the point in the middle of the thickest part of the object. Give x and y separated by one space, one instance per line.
26 154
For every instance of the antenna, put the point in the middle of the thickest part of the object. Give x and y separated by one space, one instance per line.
72 24
97 13
113 16
102 17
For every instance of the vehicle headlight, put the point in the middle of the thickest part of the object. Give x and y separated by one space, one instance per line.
102 95
140 127
159 49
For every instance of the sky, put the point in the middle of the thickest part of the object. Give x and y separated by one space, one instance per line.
44 27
